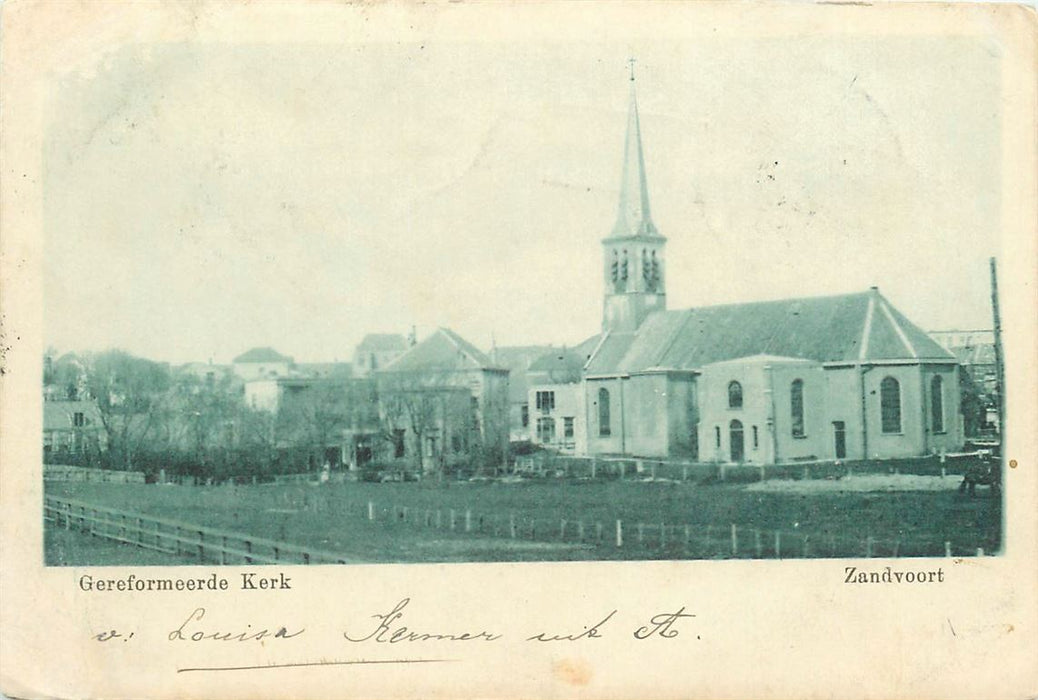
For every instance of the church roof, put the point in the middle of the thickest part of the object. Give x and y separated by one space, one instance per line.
517 360
845 328
633 216
444 350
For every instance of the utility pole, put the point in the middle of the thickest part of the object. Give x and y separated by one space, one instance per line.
1000 375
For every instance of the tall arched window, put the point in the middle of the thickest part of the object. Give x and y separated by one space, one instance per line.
796 407
734 395
890 405
604 429
937 404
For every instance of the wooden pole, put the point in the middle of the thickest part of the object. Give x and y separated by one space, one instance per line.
735 539
1000 377
619 533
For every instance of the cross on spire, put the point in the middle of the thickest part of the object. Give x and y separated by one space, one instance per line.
630 62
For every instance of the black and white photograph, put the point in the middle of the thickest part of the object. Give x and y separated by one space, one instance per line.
491 303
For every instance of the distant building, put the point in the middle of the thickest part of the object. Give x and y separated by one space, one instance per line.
72 428
376 351
261 363
556 400
517 360
444 402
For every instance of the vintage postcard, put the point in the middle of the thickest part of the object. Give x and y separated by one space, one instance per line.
518 350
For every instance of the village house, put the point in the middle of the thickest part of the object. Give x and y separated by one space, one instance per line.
445 403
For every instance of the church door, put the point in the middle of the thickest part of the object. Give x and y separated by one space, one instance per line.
840 438
735 439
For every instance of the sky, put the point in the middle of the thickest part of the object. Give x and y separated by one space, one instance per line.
201 199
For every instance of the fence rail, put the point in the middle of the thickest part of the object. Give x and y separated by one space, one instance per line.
179 538
665 540
62 472
569 466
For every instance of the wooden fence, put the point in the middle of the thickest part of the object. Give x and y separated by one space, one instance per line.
567 466
179 538
663 540
61 472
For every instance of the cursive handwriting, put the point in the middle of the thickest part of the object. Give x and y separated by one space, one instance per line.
592 632
385 635
661 625
186 632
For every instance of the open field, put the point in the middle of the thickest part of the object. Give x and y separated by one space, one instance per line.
411 520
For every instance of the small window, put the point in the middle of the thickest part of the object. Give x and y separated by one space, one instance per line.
398 443
796 407
545 430
567 427
734 394
524 411
78 419
545 401
890 405
604 427
937 404
756 442
717 436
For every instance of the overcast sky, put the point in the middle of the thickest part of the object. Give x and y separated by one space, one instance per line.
204 199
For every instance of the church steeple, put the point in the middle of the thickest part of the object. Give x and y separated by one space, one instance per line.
633 252
634 217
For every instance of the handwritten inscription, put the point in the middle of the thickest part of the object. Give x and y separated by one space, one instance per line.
385 633
592 632
662 625
191 631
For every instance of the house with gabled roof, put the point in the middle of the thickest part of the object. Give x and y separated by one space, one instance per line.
377 350
261 363
824 378
444 401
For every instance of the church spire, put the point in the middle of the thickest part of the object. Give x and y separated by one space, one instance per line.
633 217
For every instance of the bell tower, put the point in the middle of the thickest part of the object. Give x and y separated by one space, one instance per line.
633 258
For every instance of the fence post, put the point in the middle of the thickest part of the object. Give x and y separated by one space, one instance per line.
684 472
277 553
201 546
562 530
248 551
619 533
452 518
371 510
721 468
653 470
663 535
593 467
598 532
778 544
580 530
223 549
511 525
757 543
439 518
468 520
807 544
68 516
735 539
980 551
139 539
688 536
947 549
623 470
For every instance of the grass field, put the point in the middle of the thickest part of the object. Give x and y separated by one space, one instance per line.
335 517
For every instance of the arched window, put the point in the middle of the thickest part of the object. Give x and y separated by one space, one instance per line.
736 446
796 407
734 395
890 405
937 404
623 267
614 268
604 429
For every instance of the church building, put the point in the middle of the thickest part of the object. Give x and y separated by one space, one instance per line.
822 378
